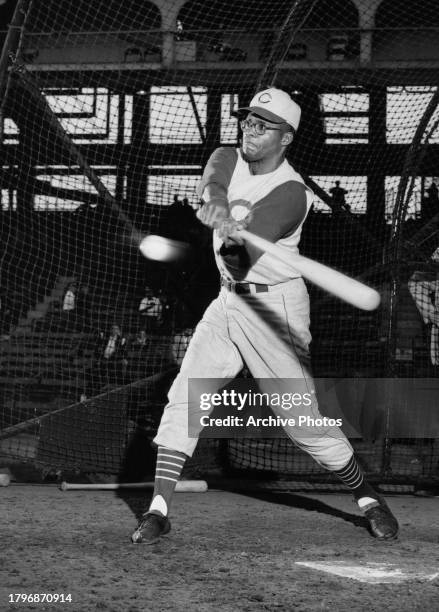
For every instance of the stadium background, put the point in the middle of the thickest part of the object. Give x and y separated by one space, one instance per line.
107 113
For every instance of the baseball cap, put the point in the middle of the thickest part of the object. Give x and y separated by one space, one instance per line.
276 106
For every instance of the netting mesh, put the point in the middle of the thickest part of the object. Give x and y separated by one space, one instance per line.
109 115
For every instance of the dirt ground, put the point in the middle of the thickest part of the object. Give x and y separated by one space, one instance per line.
226 551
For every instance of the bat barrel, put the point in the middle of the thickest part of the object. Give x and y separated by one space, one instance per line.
342 286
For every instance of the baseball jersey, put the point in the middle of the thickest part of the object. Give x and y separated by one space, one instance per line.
277 202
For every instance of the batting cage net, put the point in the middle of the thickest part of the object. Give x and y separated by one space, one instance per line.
109 112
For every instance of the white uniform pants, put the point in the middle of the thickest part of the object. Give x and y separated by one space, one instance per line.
269 332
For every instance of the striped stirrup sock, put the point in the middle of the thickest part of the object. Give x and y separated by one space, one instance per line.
168 470
353 477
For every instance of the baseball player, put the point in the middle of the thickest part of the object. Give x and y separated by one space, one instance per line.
261 315
424 288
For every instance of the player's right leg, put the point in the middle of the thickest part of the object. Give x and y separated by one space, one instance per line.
210 354
279 359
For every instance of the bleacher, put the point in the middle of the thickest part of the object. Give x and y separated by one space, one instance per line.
48 358
346 341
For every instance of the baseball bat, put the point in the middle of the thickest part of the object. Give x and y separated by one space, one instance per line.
342 286
183 486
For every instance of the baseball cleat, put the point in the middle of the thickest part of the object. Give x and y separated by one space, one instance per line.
151 528
382 523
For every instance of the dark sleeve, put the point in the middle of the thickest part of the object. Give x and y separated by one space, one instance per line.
275 216
219 170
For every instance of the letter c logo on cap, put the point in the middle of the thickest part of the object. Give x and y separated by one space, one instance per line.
265 98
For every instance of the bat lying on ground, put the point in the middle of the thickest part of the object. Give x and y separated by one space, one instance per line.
183 486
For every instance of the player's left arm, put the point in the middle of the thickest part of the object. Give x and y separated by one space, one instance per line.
213 186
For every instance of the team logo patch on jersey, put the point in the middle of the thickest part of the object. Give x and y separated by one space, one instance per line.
265 98
239 209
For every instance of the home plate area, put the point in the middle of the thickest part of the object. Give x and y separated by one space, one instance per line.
373 573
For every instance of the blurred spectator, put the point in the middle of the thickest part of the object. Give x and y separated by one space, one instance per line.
424 288
111 357
175 216
180 32
433 192
75 307
176 203
338 199
138 354
83 306
5 314
181 219
141 340
188 213
180 343
69 298
430 203
150 311
66 316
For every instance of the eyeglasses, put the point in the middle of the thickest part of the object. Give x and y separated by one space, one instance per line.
257 127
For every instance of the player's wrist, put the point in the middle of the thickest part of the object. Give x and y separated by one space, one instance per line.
218 202
228 231
213 212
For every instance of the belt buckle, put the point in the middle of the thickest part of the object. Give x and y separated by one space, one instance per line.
243 288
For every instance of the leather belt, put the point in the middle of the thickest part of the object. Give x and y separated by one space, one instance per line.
243 288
